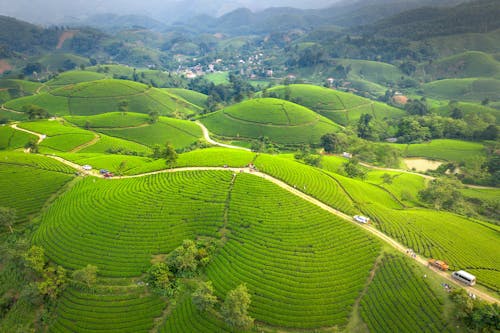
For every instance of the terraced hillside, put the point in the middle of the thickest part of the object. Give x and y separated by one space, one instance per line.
27 182
343 108
191 96
107 95
11 89
293 257
281 121
13 139
74 77
468 89
60 136
400 300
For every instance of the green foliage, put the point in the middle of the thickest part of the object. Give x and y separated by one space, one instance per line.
13 139
469 89
53 282
86 275
334 142
445 194
160 278
109 120
477 315
400 300
235 308
203 297
7 217
170 155
353 169
35 112
35 258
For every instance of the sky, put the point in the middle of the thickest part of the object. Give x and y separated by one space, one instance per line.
57 11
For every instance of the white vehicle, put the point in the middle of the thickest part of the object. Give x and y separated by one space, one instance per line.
464 277
86 167
362 219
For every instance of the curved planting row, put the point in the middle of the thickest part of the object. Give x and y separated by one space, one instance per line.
34 161
307 179
461 242
85 312
186 318
400 300
26 189
13 139
303 266
117 225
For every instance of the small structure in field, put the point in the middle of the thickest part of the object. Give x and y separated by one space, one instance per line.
361 219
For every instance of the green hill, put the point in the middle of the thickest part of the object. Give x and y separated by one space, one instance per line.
74 77
12 89
281 121
191 96
109 95
341 107
470 89
54 61
464 65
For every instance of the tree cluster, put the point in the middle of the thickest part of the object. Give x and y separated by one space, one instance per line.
477 315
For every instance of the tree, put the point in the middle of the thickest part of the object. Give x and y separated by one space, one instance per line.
32 146
235 308
7 217
353 169
35 258
153 116
54 280
170 155
121 168
87 275
183 259
334 142
123 105
35 111
445 194
160 278
366 128
416 107
203 297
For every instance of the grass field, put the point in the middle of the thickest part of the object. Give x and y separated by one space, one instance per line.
107 95
109 144
341 107
281 121
468 108
180 133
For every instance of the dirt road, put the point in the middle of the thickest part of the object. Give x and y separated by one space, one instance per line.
41 137
396 245
207 137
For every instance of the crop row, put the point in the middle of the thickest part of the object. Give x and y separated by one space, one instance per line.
308 180
26 189
117 225
13 139
400 300
34 161
463 243
186 318
84 312
303 267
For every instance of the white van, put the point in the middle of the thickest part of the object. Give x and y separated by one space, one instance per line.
464 277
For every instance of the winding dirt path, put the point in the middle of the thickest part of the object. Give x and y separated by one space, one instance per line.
10 110
86 144
369 228
41 137
207 137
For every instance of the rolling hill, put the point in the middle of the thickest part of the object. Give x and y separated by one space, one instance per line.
341 107
109 95
469 89
281 121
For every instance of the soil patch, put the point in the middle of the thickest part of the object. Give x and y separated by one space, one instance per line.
4 66
421 164
65 36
